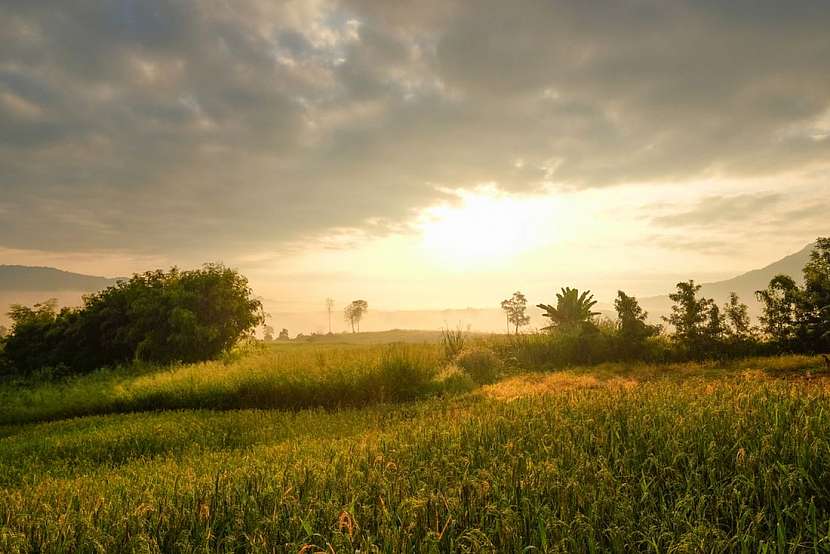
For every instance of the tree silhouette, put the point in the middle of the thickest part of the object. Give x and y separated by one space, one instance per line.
631 325
736 314
515 309
815 299
696 321
354 313
572 310
780 304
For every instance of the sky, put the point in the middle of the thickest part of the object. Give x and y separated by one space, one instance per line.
422 154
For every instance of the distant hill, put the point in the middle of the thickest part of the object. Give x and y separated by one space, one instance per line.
29 285
744 285
33 279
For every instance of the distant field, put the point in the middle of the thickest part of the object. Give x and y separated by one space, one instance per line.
682 458
380 337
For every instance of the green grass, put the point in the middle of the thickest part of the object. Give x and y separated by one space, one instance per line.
685 458
290 376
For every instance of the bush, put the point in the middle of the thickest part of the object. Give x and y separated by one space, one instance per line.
480 363
158 317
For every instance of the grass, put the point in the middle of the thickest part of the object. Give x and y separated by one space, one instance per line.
290 376
685 458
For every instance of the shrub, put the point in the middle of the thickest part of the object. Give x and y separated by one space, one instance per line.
480 363
158 316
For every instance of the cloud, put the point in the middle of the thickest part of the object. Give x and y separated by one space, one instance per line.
204 128
715 210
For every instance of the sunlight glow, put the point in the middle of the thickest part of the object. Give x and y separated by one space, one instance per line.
486 228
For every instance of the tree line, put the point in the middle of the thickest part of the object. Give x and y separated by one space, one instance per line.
795 318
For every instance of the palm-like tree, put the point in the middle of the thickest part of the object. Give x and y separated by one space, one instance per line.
572 309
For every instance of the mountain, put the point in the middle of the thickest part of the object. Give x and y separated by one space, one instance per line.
743 285
29 285
34 279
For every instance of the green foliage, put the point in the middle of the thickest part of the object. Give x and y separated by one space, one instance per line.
158 317
798 318
688 317
738 324
726 465
780 310
572 310
815 299
480 363
277 375
632 328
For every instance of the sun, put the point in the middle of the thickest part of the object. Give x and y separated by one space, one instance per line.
485 228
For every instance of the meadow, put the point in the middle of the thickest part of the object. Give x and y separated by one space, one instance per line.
315 448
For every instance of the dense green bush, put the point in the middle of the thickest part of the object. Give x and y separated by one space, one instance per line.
157 316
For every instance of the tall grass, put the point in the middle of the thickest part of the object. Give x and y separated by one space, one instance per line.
737 465
292 377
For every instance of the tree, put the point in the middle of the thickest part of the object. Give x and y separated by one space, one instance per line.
515 309
572 311
329 309
715 328
283 334
780 310
268 333
157 316
632 329
736 315
3 331
689 316
814 305
354 313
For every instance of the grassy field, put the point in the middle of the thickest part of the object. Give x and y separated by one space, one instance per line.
684 458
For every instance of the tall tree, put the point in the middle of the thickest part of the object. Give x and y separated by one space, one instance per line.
689 315
572 310
780 310
814 303
354 312
736 315
329 309
632 327
715 328
515 308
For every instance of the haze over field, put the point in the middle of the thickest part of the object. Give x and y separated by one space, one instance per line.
33 284
424 156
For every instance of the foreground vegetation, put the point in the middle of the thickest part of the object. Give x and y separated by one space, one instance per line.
289 376
595 436
614 458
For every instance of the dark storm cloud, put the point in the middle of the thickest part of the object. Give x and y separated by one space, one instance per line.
208 126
